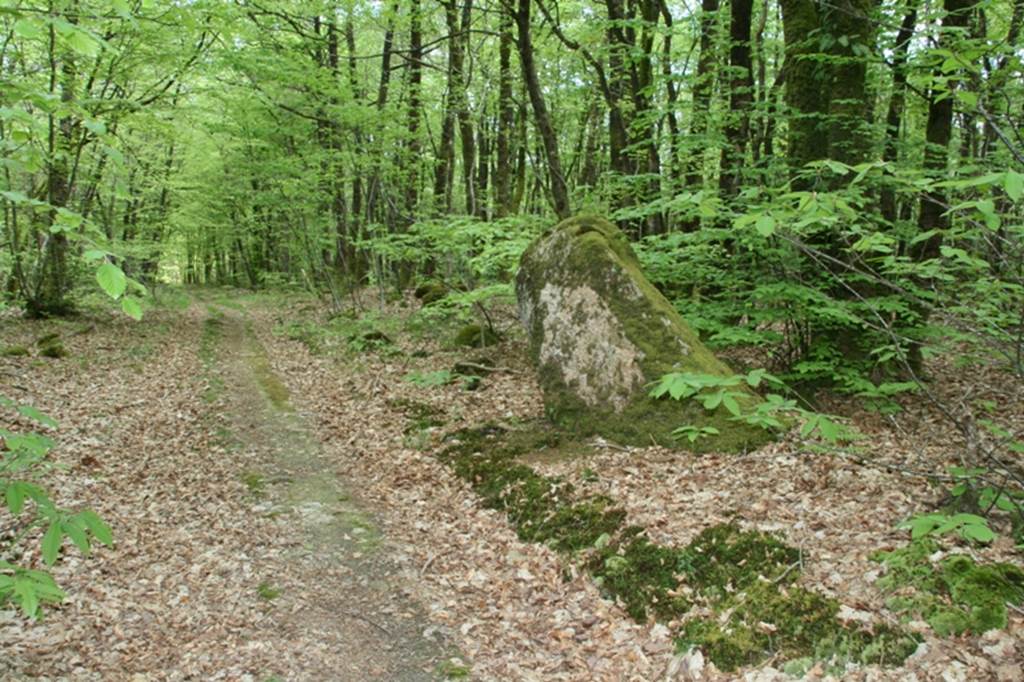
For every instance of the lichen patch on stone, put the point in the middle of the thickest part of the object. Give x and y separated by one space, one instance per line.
596 358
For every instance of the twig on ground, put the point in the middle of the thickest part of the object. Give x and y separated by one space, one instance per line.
363 618
485 368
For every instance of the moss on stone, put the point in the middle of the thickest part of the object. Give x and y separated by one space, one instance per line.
587 253
430 292
953 596
476 336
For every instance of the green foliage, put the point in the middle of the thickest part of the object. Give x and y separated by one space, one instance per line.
23 470
343 333
953 594
968 526
713 391
268 592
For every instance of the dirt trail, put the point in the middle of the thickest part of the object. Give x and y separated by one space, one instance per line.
349 598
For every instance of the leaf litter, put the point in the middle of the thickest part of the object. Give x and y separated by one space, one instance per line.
178 598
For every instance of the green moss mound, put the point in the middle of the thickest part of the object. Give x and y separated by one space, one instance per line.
745 577
723 559
542 509
793 624
430 292
953 596
14 352
53 349
589 253
476 336
645 577
421 416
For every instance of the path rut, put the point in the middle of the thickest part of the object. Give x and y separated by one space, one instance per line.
345 595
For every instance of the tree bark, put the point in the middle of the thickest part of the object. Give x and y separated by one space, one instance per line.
703 86
506 118
741 84
413 144
53 283
557 189
938 134
897 104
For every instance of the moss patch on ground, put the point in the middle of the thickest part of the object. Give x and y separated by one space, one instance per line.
421 416
953 595
51 346
746 578
476 336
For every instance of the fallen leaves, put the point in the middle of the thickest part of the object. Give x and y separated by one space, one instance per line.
177 597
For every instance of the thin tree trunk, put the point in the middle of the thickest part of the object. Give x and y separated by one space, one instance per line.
466 133
49 296
506 118
542 119
414 114
703 86
897 104
938 134
443 166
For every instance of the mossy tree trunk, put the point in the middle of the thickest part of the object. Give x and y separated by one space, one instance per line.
850 26
806 78
49 295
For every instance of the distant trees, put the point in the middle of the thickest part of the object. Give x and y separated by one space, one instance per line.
276 139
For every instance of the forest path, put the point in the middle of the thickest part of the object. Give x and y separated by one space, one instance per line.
351 603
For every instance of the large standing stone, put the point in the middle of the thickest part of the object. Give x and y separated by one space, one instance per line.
600 334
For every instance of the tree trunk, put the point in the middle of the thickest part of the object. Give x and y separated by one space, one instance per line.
542 119
413 144
849 107
53 282
703 86
939 131
805 83
897 104
737 128
506 119
466 134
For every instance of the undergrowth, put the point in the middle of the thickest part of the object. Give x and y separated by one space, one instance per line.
953 594
746 579
343 334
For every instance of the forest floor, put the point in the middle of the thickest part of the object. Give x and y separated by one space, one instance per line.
279 515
